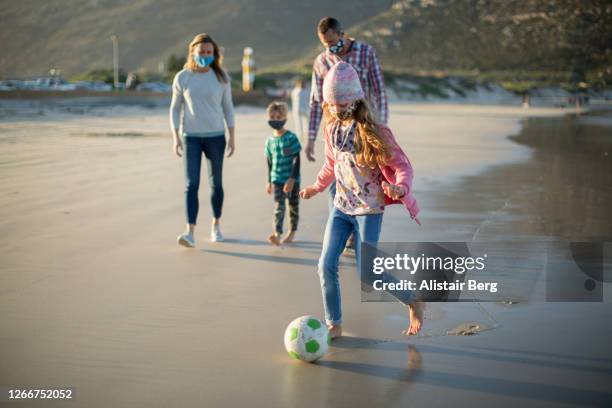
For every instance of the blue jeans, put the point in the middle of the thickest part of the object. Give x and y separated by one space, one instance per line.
213 148
330 204
331 196
340 226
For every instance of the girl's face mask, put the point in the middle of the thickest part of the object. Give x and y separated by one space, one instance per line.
345 113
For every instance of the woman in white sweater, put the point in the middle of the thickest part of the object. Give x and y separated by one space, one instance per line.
201 107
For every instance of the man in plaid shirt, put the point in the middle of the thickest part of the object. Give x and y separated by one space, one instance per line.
362 57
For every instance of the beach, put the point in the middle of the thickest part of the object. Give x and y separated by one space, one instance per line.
96 295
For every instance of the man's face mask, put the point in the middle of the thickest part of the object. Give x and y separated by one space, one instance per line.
335 49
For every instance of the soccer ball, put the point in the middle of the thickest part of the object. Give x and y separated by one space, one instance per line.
307 338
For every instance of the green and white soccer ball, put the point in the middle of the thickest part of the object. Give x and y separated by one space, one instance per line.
307 338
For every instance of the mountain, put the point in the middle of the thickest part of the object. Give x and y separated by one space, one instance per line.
74 36
493 35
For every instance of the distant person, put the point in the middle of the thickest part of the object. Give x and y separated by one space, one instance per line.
201 91
525 103
371 171
300 96
131 81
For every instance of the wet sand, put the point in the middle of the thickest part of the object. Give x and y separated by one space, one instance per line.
95 294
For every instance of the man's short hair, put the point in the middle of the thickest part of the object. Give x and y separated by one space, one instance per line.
329 23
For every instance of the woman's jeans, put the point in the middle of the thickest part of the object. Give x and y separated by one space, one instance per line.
366 228
213 148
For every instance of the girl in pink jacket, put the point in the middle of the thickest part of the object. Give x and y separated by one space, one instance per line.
370 171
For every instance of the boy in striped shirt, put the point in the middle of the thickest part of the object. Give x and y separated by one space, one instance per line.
283 155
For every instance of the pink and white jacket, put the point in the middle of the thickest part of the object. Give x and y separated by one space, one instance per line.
398 171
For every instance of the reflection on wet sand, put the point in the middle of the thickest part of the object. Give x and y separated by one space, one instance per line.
563 192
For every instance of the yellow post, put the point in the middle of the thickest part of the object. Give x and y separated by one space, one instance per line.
248 70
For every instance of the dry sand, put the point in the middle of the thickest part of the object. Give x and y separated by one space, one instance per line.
96 295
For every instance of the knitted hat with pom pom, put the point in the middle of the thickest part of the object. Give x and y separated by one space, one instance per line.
341 84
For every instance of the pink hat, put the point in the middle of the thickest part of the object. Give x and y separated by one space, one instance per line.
341 84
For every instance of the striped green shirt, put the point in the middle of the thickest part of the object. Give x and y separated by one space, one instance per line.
281 152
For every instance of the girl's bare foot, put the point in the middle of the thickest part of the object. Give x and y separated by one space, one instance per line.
274 239
335 331
289 237
415 309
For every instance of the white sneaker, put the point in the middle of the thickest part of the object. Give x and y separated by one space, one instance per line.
215 234
186 240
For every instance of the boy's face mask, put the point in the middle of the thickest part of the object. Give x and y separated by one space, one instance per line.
203 62
277 124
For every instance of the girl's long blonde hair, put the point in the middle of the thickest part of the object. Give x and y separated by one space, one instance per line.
372 148
216 65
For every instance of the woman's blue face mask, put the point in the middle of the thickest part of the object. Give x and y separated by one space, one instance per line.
204 61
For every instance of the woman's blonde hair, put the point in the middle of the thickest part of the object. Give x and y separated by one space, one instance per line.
216 64
372 148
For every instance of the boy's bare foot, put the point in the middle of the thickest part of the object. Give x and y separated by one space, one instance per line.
416 309
274 239
289 237
335 331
